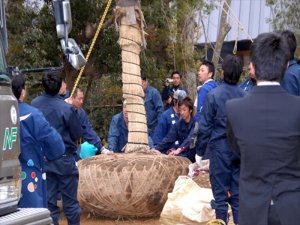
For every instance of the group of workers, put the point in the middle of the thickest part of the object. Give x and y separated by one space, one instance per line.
53 124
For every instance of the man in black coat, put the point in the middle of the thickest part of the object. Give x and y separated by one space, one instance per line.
268 141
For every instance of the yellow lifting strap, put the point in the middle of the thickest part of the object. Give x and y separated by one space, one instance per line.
92 45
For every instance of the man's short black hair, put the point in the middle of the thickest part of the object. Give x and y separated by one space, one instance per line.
269 55
176 72
232 68
18 84
210 66
291 40
52 83
143 76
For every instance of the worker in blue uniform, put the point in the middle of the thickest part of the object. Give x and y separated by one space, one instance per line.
153 105
291 78
62 174
38 141
118 131
88 133
179 133
205 76
168 119
224 163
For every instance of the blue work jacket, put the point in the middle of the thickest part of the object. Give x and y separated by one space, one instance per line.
88 133
64 119
212 123
180 132
38 141
153 107
167 120
248 84
118 133
202 92
291 79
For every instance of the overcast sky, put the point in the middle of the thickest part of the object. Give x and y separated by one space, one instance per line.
40 3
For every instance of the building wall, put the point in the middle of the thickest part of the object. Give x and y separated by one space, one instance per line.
253 15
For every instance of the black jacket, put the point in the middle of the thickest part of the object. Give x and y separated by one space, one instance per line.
264 128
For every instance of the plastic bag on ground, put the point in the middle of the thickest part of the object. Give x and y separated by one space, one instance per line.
188 204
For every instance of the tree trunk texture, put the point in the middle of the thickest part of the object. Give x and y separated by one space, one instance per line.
186 30
131 20
190 78
223 31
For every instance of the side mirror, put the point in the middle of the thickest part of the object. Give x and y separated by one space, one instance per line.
63 18
73 53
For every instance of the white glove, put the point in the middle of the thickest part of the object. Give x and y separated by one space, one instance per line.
105 151
198 160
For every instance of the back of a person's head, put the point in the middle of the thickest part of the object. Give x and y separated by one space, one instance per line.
210 66
232 68
18 84
269 55
291 40
52 83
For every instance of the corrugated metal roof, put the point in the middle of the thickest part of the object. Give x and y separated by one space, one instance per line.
253 15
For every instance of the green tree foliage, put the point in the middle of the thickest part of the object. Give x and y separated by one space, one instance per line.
164 45
30 36
172 34
286 16
33 43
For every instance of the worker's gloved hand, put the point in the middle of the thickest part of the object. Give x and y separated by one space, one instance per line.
198 160
106 151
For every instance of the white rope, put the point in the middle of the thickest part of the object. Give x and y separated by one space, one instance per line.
209 41
213 48
236 42
235 19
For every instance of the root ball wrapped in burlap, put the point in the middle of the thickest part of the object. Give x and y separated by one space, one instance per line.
128 185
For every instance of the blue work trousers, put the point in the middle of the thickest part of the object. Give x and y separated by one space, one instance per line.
224 177
62 176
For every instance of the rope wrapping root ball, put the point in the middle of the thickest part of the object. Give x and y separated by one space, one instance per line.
216 222
128 185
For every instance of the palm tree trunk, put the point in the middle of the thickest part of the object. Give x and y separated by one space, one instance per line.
130 20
